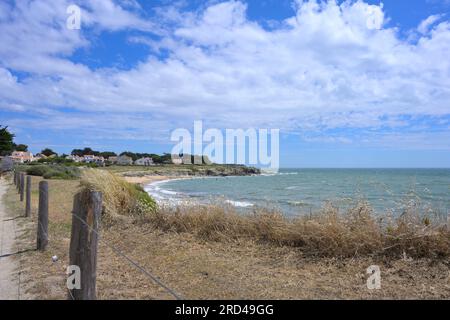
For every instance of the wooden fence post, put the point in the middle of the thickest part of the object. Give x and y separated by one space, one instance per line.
18 182
42 231
22 185
87 208
28 198
15 177
448 220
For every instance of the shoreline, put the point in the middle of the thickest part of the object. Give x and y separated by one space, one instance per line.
150 179
151 186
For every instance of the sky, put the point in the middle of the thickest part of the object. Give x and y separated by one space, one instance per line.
348 83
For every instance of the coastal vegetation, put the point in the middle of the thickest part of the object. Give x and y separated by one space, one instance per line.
62 168
171 170
327 233
120 198
52 172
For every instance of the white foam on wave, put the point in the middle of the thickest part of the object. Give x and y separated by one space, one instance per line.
241 204
154 190
168 192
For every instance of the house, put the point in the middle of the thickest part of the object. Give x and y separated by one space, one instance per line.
75 158
112 159
88 158
39 156
124 160
144 162
22 156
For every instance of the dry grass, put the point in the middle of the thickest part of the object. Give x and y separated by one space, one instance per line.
120 198
327 233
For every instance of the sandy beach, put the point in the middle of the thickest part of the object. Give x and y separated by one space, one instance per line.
145 180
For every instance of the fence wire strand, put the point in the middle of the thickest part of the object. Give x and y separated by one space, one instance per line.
131 261
118 252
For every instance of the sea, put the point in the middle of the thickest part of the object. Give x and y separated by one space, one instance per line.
303 191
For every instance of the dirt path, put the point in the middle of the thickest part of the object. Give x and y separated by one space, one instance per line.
9 275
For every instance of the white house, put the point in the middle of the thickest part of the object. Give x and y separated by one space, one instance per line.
144 162
93 159
22 156
75 158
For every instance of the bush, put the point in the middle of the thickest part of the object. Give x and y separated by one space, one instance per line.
120 198
54 172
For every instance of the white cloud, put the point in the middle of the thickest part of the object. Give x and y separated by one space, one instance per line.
425 25
327 66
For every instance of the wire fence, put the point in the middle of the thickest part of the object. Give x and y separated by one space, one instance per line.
131 261
120 253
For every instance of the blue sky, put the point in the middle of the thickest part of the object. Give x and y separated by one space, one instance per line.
348 83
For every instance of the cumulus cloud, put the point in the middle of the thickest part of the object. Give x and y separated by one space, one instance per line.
425 25
327 66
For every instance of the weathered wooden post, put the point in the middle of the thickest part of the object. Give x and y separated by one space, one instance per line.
448 220
17 181
42 231
15 178
22 185
87 208
28 198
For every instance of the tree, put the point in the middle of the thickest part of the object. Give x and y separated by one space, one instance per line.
156 158
166 158
90 152
48 152
107 154
77 152
84 152
130 154
6 141
21 147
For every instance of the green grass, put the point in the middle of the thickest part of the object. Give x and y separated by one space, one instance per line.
52 171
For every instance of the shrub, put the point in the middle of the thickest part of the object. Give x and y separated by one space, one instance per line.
120 198
54 172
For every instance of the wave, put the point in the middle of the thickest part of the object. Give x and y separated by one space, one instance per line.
298 203
161 195
241 204
168 192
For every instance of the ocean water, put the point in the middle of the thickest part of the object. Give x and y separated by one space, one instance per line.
300 191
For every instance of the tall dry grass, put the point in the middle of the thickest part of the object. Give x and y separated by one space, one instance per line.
120 198
357 232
